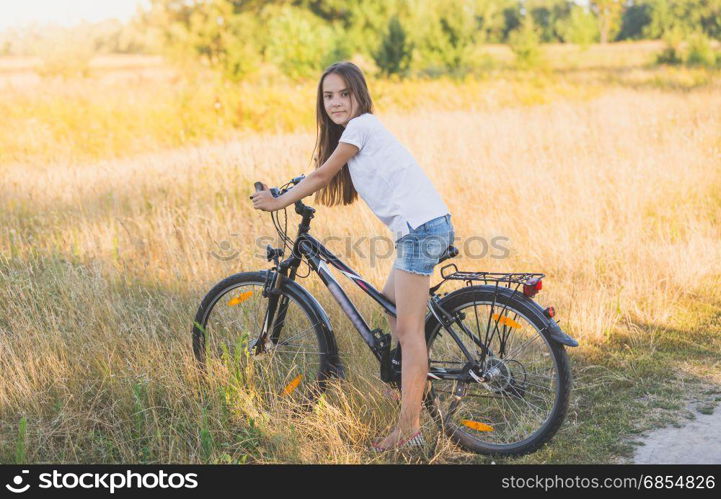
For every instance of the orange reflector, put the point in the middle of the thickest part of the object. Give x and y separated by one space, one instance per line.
240 298
290 387
475 425
506 321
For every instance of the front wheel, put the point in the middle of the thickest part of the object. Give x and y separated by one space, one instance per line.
294 360
512 396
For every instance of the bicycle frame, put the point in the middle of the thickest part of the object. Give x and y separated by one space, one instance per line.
531 391
318 257
307 246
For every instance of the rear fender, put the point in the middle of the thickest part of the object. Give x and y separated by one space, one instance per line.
552 327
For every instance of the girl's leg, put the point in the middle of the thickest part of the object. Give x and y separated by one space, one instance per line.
411 297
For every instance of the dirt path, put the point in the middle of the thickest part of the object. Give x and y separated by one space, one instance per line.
698 442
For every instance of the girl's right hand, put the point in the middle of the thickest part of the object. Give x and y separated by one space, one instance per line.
264 200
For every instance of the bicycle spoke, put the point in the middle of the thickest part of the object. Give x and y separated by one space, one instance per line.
317 352
521 390
528 342
286 369
305 331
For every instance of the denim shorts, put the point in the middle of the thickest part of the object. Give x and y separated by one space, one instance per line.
419 250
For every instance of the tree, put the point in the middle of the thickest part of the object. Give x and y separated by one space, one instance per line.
546 16
330 10
367 21
524 42
491 19
635 19
394 53
579 27
448 36
300 41
710 18
664 19
685 16
512 19
608 13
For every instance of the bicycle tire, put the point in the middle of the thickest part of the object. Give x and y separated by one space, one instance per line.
486 422
229 320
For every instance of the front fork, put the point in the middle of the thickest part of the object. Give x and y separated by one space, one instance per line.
272 322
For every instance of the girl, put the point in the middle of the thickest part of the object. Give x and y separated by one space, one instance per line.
358 156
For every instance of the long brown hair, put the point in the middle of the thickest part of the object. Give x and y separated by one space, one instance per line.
340 190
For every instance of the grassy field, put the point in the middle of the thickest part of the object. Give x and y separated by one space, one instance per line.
117 189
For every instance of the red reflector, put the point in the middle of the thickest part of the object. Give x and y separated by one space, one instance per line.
550 312
531 289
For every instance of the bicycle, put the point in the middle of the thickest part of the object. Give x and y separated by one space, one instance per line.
498 386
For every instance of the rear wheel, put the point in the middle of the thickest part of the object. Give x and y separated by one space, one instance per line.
293 365
515 391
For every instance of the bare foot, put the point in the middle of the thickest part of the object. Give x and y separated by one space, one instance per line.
395 438
390 441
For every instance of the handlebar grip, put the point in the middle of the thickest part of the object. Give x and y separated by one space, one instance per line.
258 187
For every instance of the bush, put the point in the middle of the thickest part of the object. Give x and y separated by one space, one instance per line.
241 57
341 48
481 61
447 38
524 42
300 42
394 53
700 52
68 55
580 27
671 54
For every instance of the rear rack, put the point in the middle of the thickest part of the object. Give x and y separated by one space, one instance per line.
513 280
510 278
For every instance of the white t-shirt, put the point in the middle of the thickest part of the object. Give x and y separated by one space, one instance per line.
388 179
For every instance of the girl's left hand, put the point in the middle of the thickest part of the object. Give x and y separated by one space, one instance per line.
264 200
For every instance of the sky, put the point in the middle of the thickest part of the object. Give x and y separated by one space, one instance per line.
70 12
64 12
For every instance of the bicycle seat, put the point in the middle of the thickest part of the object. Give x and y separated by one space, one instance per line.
450 252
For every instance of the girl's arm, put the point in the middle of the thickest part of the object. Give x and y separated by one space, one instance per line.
317 179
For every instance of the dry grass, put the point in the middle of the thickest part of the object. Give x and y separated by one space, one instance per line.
134 104
615 196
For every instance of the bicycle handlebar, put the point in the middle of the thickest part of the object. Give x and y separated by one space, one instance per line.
274 190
